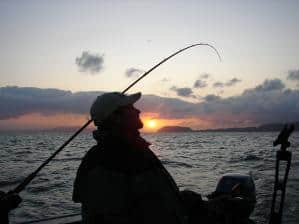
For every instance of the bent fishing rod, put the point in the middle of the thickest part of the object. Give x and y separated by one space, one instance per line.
30 177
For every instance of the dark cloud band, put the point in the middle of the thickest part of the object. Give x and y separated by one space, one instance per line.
267 102
17 101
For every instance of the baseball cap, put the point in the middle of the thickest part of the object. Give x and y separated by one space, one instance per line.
107 103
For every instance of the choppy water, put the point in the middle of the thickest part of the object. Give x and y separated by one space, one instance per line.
196 161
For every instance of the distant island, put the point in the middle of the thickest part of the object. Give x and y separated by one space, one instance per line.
175 129
264 127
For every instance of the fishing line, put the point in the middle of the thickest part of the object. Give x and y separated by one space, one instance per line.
30 177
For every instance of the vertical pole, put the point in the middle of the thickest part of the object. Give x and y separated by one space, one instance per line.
280 186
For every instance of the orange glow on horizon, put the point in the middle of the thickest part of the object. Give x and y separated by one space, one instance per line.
152 122
40 121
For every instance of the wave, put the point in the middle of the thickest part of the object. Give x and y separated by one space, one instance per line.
251 157
176 164
38 189
7 183
68 159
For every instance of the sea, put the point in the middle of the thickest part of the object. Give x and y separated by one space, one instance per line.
195 160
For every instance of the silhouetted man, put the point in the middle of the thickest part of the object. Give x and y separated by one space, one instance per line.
120 180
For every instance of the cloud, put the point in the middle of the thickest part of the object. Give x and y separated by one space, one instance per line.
133 72
211 97
229 83
270 85
205 76
165 80
17 101
267 102
184 92
199 84
88 62
293 75
232 82
218 85
168 108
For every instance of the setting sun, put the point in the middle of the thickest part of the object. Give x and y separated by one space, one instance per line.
151 123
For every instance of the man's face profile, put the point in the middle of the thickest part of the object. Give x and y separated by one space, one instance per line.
129 117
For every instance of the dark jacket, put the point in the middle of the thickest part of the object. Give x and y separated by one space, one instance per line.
123 182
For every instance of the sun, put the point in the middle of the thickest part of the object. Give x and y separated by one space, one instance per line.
151 123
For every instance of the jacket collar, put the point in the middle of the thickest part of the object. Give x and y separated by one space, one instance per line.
130 138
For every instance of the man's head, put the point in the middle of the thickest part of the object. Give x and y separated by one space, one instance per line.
116 109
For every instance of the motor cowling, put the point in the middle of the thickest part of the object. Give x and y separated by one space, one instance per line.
234 197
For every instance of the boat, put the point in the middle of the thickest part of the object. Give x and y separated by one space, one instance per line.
220 207
233 200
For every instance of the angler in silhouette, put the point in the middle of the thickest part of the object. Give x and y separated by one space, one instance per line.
120 180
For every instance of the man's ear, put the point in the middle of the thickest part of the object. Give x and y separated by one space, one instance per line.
115 118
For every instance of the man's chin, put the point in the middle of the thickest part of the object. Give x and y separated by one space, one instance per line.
140 125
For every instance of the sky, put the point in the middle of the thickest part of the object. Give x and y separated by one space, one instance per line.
57 56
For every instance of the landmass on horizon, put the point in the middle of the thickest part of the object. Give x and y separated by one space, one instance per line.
263 127
175 129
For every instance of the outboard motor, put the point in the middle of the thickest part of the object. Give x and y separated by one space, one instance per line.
234 199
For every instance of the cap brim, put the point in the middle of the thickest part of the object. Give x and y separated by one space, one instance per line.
133 98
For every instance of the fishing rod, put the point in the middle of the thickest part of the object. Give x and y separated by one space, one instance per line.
30 177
